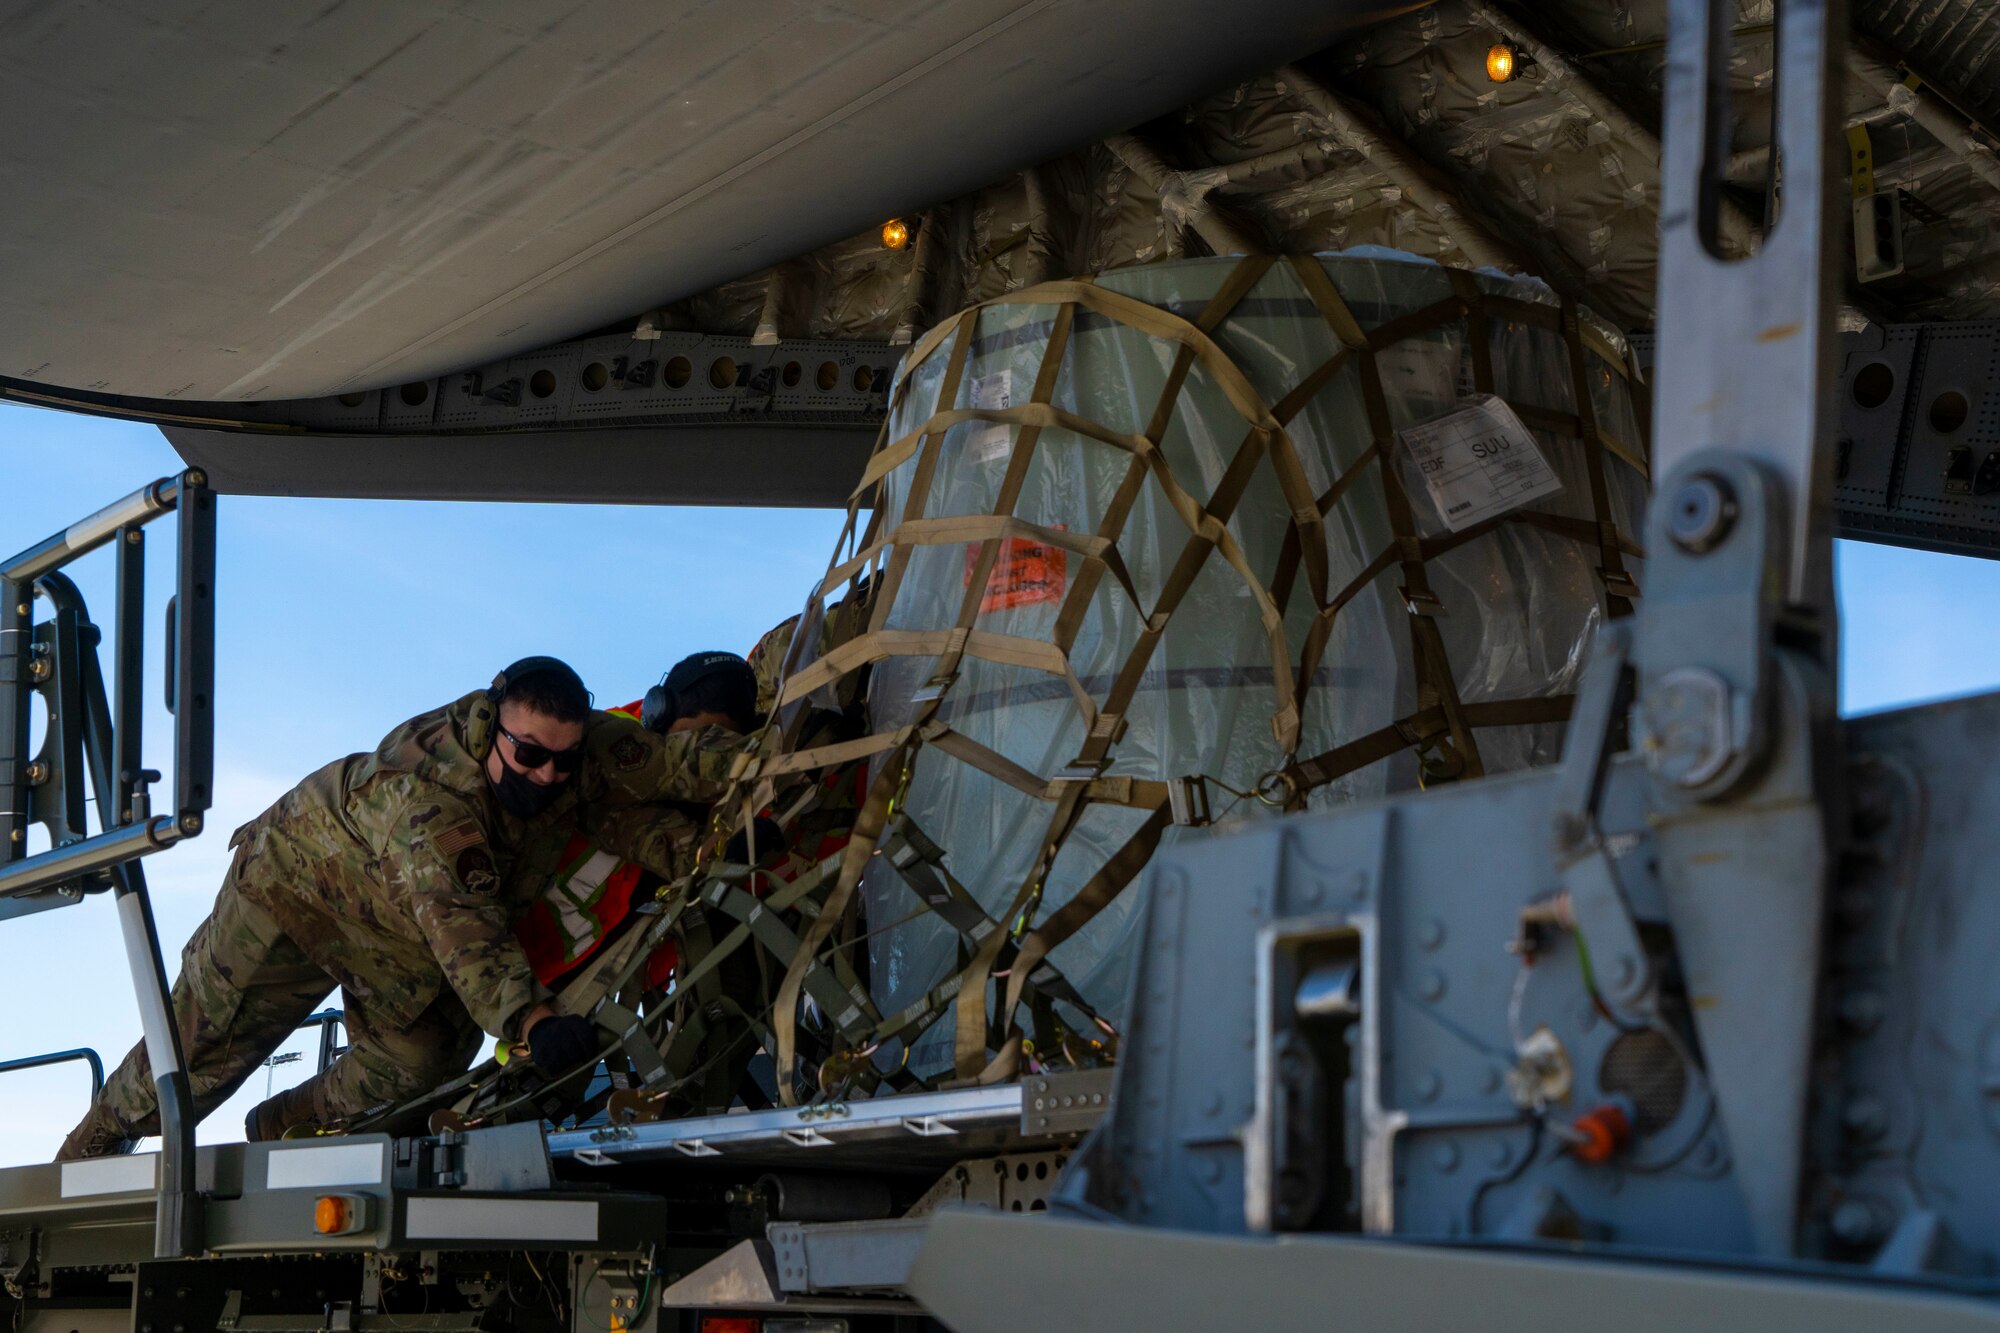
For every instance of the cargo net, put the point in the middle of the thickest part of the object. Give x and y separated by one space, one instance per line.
1121 564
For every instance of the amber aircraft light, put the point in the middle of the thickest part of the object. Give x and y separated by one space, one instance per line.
339 1214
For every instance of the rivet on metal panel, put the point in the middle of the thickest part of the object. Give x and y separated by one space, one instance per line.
1860 1222
1865 1117
1862 1010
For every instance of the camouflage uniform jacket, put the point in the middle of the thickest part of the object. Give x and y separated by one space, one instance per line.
398 873
646 797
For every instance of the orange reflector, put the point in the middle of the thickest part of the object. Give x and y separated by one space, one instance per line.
330 1215
1500 62
730 1323
1604 1131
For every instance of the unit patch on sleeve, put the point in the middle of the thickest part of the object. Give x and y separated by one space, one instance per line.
475 870
628 752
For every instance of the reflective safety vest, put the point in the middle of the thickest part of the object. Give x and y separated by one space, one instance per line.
590 893
592 889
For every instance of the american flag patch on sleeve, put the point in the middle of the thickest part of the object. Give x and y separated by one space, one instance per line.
458 837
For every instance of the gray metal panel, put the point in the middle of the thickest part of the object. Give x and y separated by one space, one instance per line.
267 201
512 1159
282 1180
1915 956
1889 484
1435 888
845 1256
1111 1279
746 464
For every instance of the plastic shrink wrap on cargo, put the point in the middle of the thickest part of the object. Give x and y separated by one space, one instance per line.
1172 523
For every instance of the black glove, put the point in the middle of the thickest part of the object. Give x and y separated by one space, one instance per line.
559 1044
770 841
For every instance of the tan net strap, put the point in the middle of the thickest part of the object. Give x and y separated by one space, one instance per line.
826 756
1435 685
868 825
1228 296
969 1041
1018 460
1135 314
1009 649
1576 529
841 573
995 765
1478 328
1103 887
1144 793
1415 730
1208 532
1451 310
1076 603
963 329
1619 589
1514 310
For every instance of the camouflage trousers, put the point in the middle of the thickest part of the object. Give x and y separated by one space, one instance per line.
245 987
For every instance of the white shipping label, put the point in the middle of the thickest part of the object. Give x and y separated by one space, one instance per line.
1421 375
1478 462
988 440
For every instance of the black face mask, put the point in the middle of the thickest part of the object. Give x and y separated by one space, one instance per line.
520 795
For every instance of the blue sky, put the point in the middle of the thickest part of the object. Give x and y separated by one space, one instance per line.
338 619
335 620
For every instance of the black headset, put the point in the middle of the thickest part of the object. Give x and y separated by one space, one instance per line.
535 666
662 703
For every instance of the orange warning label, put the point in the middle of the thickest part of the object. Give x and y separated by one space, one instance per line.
1024 572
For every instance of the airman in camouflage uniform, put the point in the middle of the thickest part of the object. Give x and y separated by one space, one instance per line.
397 875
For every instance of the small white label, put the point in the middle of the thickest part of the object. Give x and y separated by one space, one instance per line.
500 1219
111 1175
1478 462
988 440
321 1167
1419 374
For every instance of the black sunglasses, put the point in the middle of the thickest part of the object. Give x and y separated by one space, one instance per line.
529 755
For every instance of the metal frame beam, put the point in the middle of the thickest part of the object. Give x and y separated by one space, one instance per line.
128 828
1186 208
1404 170
1739 230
